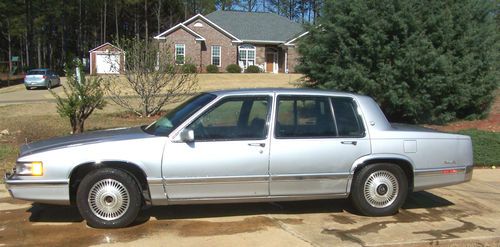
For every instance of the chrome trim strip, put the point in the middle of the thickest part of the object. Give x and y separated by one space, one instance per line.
155 181
321 176
255 179
36 182
438 171
255 199
205 180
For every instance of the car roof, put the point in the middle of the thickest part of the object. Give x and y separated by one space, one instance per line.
307 91
38 69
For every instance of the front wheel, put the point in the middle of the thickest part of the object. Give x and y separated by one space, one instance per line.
108 198
379 189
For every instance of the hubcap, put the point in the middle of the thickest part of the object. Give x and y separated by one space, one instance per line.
381 189
108 199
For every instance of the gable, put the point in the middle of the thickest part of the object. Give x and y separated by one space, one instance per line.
106 47
177 28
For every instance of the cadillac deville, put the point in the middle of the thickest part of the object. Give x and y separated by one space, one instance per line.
249 145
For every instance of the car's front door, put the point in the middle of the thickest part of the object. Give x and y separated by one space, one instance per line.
312 148
229 157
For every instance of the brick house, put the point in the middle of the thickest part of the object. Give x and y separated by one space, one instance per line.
221 38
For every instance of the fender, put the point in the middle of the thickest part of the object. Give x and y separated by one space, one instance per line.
373 157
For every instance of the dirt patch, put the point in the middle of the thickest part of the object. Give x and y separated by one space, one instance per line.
491 123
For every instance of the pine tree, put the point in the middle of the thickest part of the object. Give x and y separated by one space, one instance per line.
423 61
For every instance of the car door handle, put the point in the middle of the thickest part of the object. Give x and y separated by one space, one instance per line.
257 144
349 142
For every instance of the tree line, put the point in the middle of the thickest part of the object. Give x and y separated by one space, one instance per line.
49 33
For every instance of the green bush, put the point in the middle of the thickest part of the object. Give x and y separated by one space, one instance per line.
423 61
252 69
212 68
486 145
233 68
189 68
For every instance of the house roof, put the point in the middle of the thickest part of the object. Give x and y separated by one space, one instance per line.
256 26
105 44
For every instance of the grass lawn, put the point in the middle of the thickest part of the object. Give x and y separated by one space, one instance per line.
208 82
486 146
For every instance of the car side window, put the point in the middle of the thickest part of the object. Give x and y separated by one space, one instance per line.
304 116
234 118
347 117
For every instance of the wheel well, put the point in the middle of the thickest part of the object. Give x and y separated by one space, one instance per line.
405 165
133 170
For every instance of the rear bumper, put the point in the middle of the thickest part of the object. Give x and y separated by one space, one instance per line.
43 191
42 83
434 178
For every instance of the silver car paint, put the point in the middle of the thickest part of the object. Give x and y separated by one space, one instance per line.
231 171
39 81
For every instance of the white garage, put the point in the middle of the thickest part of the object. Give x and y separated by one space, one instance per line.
106 59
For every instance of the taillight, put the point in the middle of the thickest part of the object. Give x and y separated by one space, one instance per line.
44 77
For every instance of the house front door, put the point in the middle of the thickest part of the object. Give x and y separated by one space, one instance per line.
270 62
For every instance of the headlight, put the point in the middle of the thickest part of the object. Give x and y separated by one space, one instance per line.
34 168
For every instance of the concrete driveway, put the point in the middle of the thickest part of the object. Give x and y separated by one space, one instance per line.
461 215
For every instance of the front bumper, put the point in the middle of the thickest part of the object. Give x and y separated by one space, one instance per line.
36 190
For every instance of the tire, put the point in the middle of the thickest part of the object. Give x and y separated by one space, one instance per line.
379 189
102 196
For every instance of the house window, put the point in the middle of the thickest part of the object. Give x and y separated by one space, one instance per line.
216 55
246 55
180 53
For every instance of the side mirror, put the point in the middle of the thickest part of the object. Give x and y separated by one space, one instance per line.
187 135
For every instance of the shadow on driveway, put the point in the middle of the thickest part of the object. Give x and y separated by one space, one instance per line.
54 213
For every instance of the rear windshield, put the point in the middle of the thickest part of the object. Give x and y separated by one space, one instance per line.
36 72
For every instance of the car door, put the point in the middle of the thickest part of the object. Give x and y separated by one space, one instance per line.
229 157
313 149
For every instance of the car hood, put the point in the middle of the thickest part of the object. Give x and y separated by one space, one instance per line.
84 139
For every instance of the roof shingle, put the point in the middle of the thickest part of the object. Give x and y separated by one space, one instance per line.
256 26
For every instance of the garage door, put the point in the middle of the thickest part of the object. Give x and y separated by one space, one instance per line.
107 63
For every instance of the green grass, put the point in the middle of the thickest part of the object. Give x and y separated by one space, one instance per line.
486 147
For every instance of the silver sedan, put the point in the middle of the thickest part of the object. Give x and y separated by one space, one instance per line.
244 146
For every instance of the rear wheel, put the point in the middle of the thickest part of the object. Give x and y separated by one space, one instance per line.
379 189
108 198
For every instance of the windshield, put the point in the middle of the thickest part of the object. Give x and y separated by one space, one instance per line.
169 122
36 72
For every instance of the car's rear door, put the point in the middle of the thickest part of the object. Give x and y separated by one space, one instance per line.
229 157
312 149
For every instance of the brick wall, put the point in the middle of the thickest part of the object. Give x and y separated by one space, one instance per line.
214 37
293 56
192 48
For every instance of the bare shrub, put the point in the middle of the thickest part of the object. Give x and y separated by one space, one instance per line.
151 76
